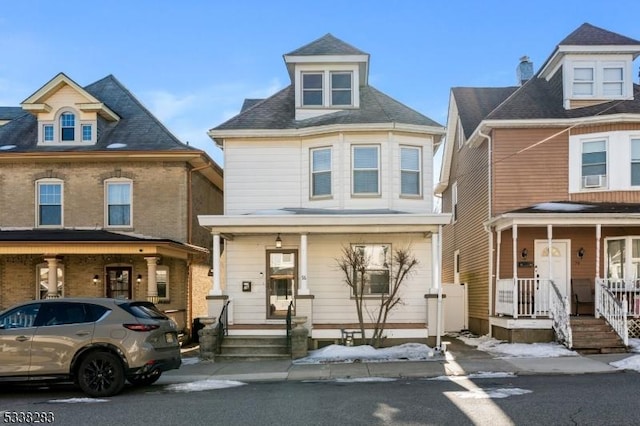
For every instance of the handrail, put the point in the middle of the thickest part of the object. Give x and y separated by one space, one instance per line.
613 309
223 328
289 309
560 311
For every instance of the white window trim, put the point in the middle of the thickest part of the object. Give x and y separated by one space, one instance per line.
353 170
598 66
326 70
165 269
454 202
602 182
389 268
57 130
331 89
108 182
627 272
419 171
311 173
49 181
631 161
321 90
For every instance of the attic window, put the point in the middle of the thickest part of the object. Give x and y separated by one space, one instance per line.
312 89
598 80
327 88
68 128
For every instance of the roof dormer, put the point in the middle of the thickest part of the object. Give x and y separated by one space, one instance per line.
596 66
327 75
67 114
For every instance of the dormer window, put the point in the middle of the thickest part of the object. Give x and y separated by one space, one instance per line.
67 128
339 93
598 80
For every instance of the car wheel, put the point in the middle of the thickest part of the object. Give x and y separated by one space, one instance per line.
101 374
145 379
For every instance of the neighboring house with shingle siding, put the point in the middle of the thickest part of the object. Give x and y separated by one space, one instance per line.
100 199
549 166
328 162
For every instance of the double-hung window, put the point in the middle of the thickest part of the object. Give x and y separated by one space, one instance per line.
67 127
594 164
118 196
635 162
162 283
612 81
320 172
312 89
373 278
366 170
341 88
49 202
410 171
583 81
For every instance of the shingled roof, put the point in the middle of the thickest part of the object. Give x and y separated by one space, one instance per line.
475 103
278 112
590 35
137 129
326 45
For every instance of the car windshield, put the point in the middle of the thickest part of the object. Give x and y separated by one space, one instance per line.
143 310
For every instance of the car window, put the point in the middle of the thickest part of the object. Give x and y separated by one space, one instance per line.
143 309
95 312
20 317
61 313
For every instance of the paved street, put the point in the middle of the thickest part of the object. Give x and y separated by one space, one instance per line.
526 400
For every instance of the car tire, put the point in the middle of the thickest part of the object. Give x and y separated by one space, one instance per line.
100 374
145 379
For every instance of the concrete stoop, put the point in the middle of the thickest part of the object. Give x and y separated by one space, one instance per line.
253 348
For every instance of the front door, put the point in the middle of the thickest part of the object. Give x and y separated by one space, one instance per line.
119 282
281 282
559 264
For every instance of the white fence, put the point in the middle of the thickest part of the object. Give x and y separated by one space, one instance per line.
522 297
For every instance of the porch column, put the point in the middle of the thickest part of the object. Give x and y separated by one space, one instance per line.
304 286
549 243
52 277
436 250
216 289
597 291
498 248
515 253
152 286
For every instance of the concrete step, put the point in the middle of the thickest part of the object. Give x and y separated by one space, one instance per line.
251 348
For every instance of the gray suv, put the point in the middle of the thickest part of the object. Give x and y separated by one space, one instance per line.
96 342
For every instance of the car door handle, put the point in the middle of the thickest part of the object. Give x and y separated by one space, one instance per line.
22 338
83 333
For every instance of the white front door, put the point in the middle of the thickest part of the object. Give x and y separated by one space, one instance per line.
559 263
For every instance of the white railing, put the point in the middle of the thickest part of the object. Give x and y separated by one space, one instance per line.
627 289
613 305
522 297
560 312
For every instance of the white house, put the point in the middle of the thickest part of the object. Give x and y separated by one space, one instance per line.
326 163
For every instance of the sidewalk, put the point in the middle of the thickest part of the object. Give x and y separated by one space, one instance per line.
459 360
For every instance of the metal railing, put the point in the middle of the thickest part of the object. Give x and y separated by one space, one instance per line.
613 305
289 309
560 312
223 326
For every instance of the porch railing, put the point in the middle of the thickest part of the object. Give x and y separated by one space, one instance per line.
613 305
560 312
223 326
289 310
523 297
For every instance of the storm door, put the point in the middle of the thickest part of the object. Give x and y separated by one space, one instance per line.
119 282
281 282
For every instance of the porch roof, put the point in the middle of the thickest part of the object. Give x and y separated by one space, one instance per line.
568 213
324 221
90 241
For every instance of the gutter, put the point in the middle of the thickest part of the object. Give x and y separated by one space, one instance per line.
489 214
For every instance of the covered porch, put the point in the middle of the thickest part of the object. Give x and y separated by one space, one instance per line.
554 261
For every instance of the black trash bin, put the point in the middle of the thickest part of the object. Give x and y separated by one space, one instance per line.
197 326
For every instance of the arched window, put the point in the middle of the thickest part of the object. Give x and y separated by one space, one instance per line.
67 126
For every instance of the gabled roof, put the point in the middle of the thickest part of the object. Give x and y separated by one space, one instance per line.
136 130
590 35
326 45
278 113
475 103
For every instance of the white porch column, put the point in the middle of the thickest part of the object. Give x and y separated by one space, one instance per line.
152 286
304 285
52 277
498 249
216 289
549 243
515 253
436 259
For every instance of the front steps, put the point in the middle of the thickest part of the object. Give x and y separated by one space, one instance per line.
594 336
253 348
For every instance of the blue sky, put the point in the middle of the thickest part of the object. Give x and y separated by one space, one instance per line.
192 63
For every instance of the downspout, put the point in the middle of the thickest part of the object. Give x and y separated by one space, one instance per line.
489 215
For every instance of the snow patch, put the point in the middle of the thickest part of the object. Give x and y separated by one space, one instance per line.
478 375
116 145
490 393
367 353
76 401
7 147
566 207
517 350
203 385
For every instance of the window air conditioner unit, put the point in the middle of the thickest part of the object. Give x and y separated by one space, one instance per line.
593 181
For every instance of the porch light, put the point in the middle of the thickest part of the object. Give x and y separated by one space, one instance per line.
139 278
524 253
580 252
95 279
278 241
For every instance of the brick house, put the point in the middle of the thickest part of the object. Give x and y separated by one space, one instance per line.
543 180
100 199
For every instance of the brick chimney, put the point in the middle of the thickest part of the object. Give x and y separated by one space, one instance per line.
524 71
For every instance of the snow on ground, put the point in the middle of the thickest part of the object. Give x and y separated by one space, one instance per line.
516 350
203 385
190 360
632 362
367 353
478 375
76 401
492 393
